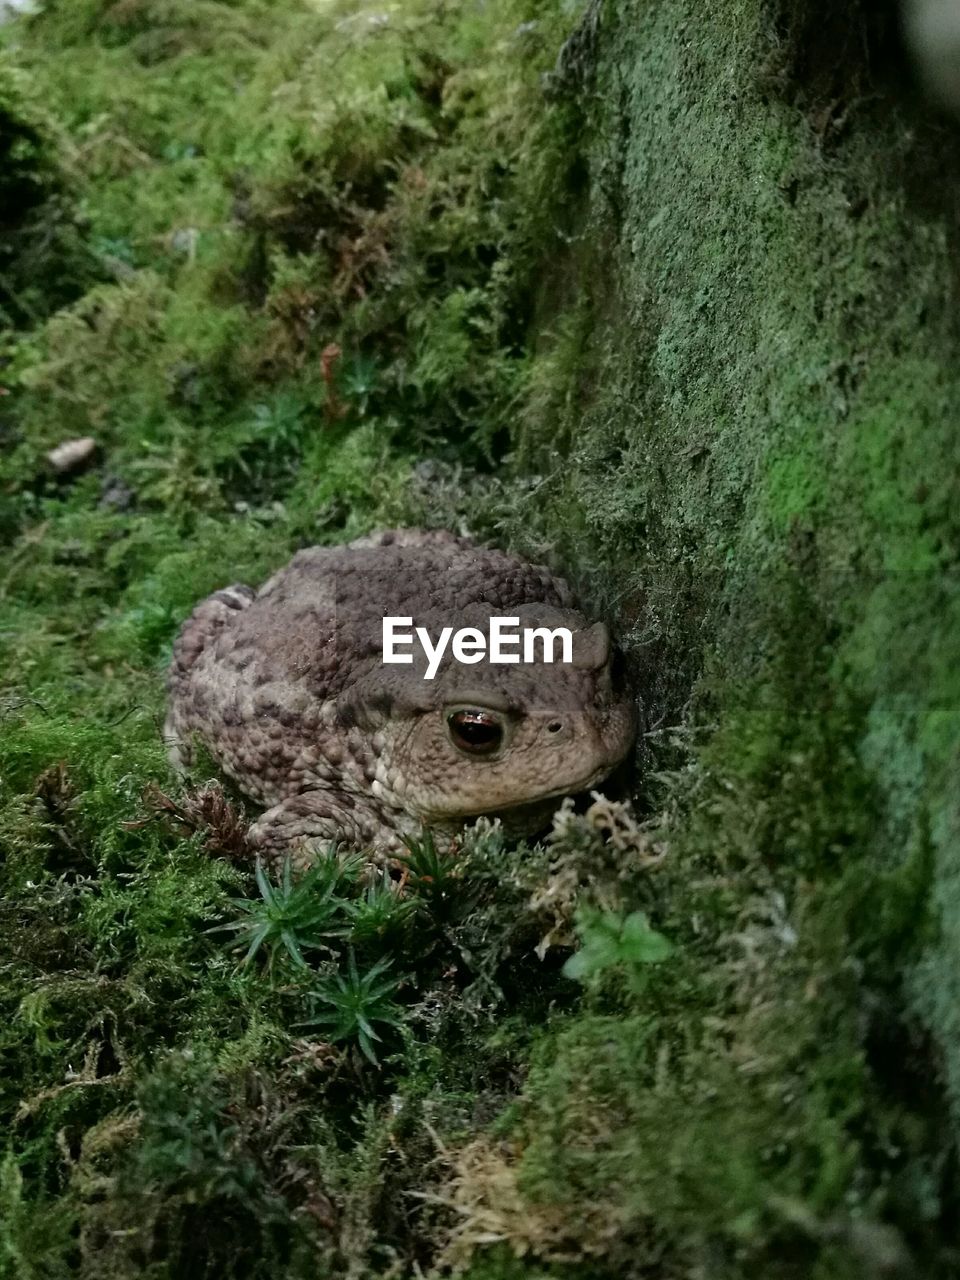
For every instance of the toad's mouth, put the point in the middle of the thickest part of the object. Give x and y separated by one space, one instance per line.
529 814
556 793
532 816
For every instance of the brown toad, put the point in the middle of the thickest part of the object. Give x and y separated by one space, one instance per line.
287 688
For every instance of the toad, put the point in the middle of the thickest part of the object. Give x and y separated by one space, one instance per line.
287 689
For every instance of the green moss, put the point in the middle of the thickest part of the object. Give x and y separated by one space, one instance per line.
44 259
244 220
761 452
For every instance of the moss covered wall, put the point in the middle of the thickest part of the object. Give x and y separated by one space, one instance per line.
773 390
762 446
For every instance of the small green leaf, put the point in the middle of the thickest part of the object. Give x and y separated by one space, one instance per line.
609 941
641 944
292 915
359 1000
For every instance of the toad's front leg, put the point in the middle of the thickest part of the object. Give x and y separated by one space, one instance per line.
299 823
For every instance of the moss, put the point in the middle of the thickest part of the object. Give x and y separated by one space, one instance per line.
762 451
247 226
45 260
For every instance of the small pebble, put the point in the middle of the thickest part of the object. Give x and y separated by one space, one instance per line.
71 455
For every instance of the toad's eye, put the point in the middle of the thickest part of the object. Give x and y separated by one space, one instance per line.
478 732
